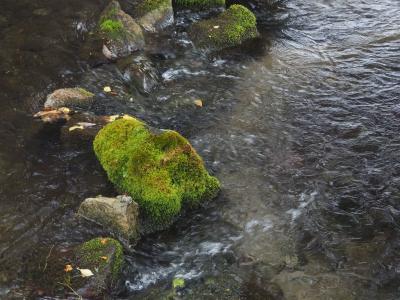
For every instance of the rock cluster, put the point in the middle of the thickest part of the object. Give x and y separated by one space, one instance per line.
158 172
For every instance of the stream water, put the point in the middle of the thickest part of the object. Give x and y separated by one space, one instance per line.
301 127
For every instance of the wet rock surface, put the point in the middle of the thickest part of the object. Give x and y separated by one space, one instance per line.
141 73
118 215
121 33
69 97
154 15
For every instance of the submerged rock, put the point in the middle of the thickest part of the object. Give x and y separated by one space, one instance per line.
199 4
104 258
121 34
61 114
120 214
154 15
159 169
69 97
230 28
141 73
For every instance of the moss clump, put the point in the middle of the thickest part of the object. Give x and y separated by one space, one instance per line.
101 253
111 27
199 4
85 92
230 28
161 171
147 6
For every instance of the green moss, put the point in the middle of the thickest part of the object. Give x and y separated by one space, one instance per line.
147 6
96 253
199 4
85 92
110 26
230 28
178 283
161 171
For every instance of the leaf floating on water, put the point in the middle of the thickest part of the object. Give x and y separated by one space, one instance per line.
198 103
68 268
107 89
86 272
76 127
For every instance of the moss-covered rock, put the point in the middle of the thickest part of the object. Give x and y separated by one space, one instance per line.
160 170
104 257
230 28
153 15
121 34
199 4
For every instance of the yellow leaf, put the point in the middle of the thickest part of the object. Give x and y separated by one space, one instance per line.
104 257
72 128
85 272
112 118
107 89
198 103
68 268
128 117
104 241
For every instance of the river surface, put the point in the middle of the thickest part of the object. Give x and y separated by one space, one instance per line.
301 127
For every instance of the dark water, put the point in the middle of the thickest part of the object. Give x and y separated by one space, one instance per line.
301 127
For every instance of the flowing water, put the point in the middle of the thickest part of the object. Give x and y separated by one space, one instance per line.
300 126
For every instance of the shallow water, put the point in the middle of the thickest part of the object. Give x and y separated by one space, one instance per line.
301 127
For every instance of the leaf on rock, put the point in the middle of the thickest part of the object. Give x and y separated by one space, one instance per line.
86 272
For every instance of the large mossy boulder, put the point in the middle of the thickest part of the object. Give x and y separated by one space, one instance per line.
104 258
158 168
122 35
231 28
154 15
199 4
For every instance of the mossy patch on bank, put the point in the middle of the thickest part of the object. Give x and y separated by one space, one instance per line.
230 28
97 254
160 170
199 4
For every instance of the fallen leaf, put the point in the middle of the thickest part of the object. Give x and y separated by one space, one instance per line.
72 128
86 124
104 257
112 118
198 103
68 268
104 241
216 27
85 272
128 117
107 89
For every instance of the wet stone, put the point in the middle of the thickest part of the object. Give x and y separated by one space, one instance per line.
70 97
118 215
141 73
122 35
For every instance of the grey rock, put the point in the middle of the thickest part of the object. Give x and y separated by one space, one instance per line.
153 19
125 38
119 215
141 73
69 97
